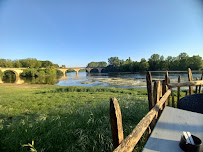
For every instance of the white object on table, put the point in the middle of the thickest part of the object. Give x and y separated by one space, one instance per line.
190 138
169 128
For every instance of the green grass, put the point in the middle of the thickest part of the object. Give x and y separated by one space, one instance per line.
65 118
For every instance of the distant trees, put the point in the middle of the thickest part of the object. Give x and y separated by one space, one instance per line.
97 64
181 62
143 65
63 66
154 63
29 62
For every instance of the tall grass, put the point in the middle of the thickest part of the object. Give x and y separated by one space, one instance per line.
65 118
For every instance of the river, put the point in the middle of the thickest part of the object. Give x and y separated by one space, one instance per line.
120 80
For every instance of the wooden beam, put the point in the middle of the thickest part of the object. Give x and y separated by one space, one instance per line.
160 92
149 90
184 84
200 85
164 88
116 122
173 102
178 91
128 144
156 92
196 88
190 79
167 81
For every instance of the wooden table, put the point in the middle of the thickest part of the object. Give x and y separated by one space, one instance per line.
169 128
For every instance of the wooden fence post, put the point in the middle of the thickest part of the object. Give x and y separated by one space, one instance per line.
173 102
149 90
200 85
167 80
196 88
116 122
178 91
190 79
156 93
163 88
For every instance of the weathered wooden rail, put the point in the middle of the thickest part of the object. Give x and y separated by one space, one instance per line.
158 97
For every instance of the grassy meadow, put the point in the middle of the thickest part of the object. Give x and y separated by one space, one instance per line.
65 119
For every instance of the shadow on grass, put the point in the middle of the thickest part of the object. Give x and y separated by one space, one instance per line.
87 128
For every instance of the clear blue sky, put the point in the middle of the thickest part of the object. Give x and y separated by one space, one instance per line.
75 32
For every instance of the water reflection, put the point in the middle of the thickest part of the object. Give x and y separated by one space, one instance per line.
42 80
124 80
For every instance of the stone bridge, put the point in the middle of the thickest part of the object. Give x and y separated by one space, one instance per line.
18 71
77 69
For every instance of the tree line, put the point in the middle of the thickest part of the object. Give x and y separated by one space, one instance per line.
29 62
155 63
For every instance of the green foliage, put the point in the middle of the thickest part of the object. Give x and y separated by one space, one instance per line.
46 63
49 71
8 77
155 63
96 64
63 66
143 65
6 63
29 62
65 118
114 61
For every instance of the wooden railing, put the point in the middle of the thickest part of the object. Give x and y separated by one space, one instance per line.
158 97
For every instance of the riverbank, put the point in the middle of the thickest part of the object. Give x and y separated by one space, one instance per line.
65 118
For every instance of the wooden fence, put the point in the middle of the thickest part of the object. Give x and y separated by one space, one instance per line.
158 97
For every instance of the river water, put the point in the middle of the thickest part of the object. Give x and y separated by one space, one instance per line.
120 80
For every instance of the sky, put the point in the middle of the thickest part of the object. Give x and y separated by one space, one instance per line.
76 32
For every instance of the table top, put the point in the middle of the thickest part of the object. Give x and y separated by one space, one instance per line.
167 133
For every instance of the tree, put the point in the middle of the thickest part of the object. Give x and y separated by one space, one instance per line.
46 63
92 65
9 63
168 62
143 65
2 62
17 64
114 61
183 55
162 63
97 64
56 66
195 62
102 64
154 62
183 61
63 66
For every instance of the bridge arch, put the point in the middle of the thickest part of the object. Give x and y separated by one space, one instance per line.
93 69
89 69
17 73
63 70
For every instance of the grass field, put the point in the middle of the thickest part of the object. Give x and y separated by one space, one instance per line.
65 118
